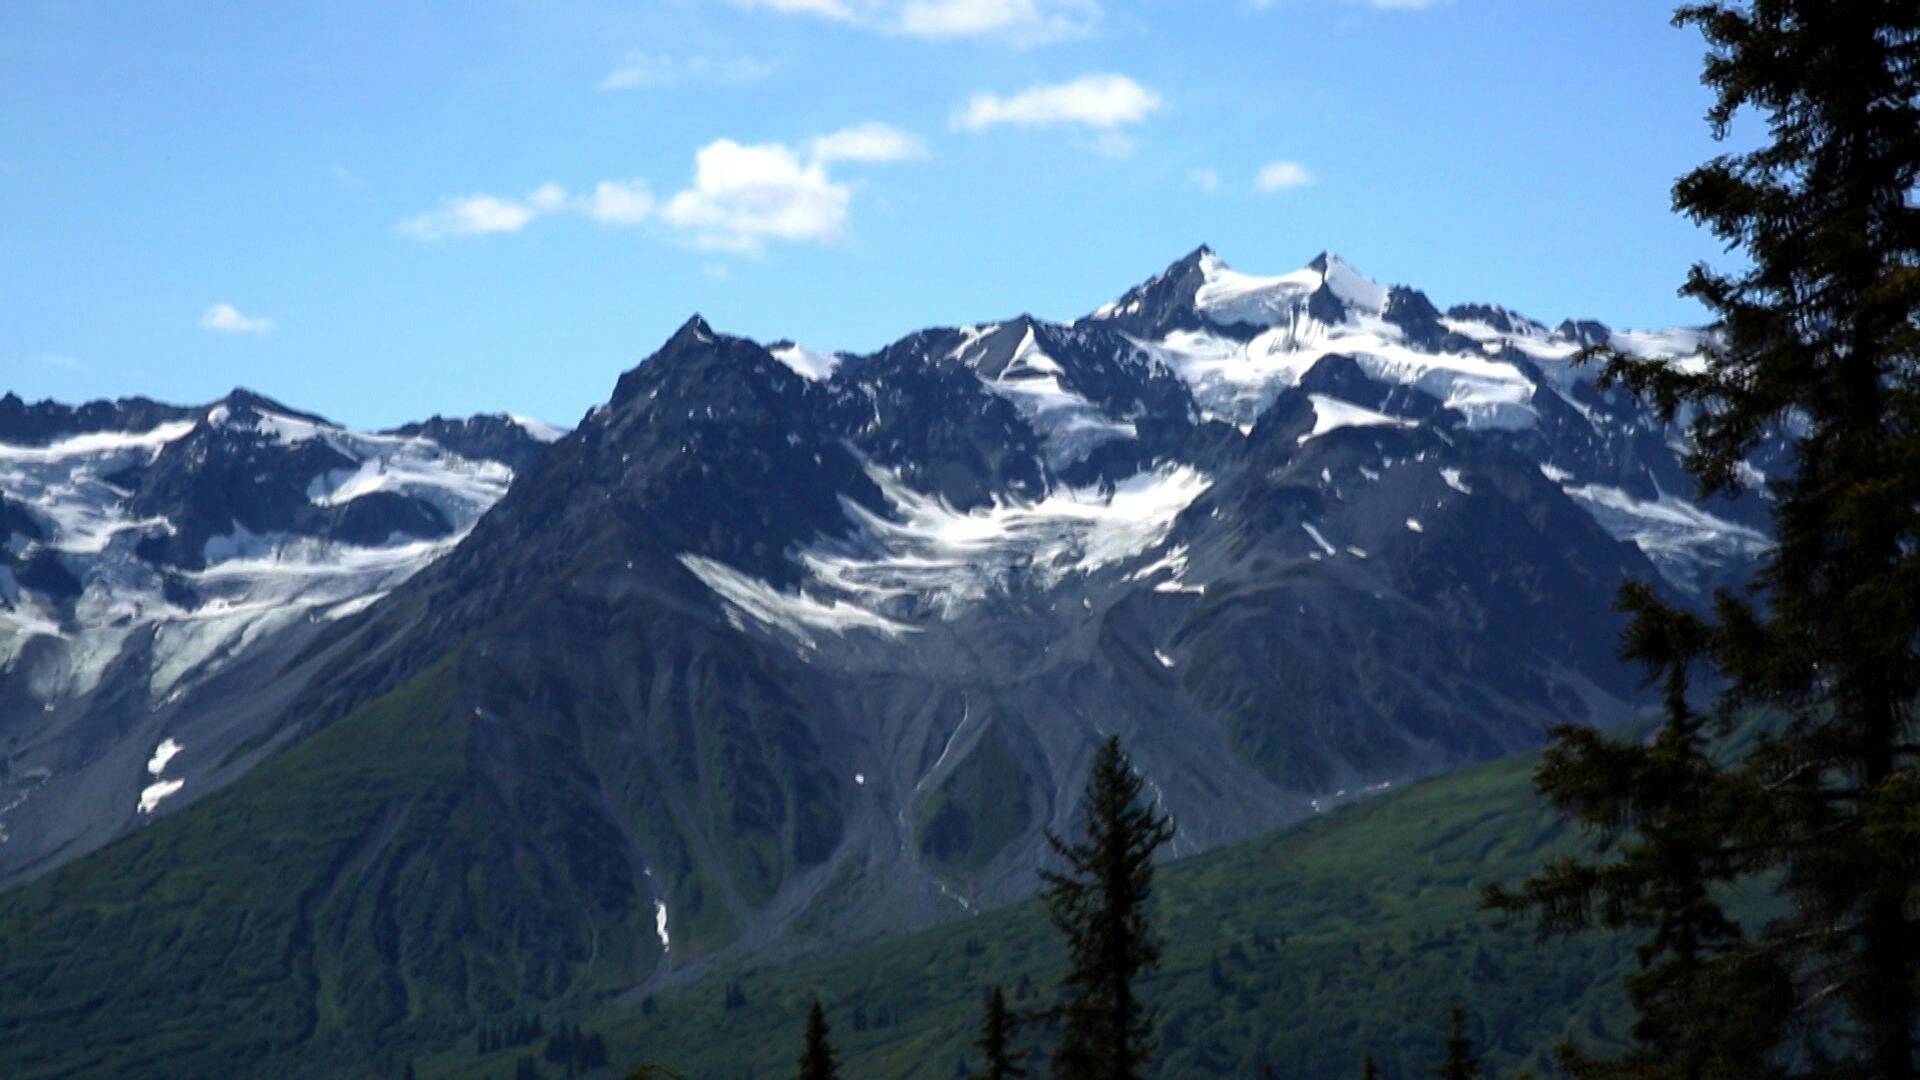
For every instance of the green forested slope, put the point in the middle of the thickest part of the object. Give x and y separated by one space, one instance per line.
358 904
351 902
1299 950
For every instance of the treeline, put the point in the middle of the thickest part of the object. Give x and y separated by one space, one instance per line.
568 1049
1098 1027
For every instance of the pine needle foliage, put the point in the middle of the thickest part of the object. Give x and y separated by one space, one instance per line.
1099 903
818 1060
1814 360
1460 1063
995 1044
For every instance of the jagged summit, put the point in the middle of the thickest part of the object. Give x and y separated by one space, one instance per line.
241 397
695 329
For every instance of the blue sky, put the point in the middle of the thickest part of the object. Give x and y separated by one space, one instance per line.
379 211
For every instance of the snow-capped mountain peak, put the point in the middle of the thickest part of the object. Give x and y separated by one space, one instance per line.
824 616
146 549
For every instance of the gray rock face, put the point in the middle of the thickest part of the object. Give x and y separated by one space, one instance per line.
822 644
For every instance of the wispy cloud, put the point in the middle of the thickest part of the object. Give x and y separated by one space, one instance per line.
475 215
874 143
618 202
1282 176
639 70
741 197
1101 102
227 319
61 361
611 202
1205 181
1099 107
1017 22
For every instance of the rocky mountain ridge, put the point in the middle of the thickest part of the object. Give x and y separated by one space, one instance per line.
813 647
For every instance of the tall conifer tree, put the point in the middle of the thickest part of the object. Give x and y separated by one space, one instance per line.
1818 344
1661 808
996 1040
1100 904
1460 1062
817 1060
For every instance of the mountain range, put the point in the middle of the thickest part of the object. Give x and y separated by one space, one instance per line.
781 650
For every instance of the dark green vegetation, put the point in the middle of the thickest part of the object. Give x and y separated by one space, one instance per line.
1460 1063
1821 335
1302 950
342 909
998 1057
289 959
978 810
817 1060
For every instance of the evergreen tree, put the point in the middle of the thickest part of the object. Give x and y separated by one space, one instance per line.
1818 348
1661 808
593 1051
1100 904
1369 1070
1460 1063
996 1039
816 1061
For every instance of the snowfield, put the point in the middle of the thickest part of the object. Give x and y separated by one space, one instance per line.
925 561
251 584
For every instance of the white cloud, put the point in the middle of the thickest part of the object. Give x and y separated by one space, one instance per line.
743 196
226 319
547 198
1100 102
60 361
479 214
828 9
1018 22
873 143
1206 181
619 202
1282 176
660 69
1025 22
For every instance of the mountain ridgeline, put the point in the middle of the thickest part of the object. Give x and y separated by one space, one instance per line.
780 650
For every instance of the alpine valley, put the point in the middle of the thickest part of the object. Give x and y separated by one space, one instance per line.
386 736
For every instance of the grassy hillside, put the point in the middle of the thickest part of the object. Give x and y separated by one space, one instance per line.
369 898
354 900
1299 950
